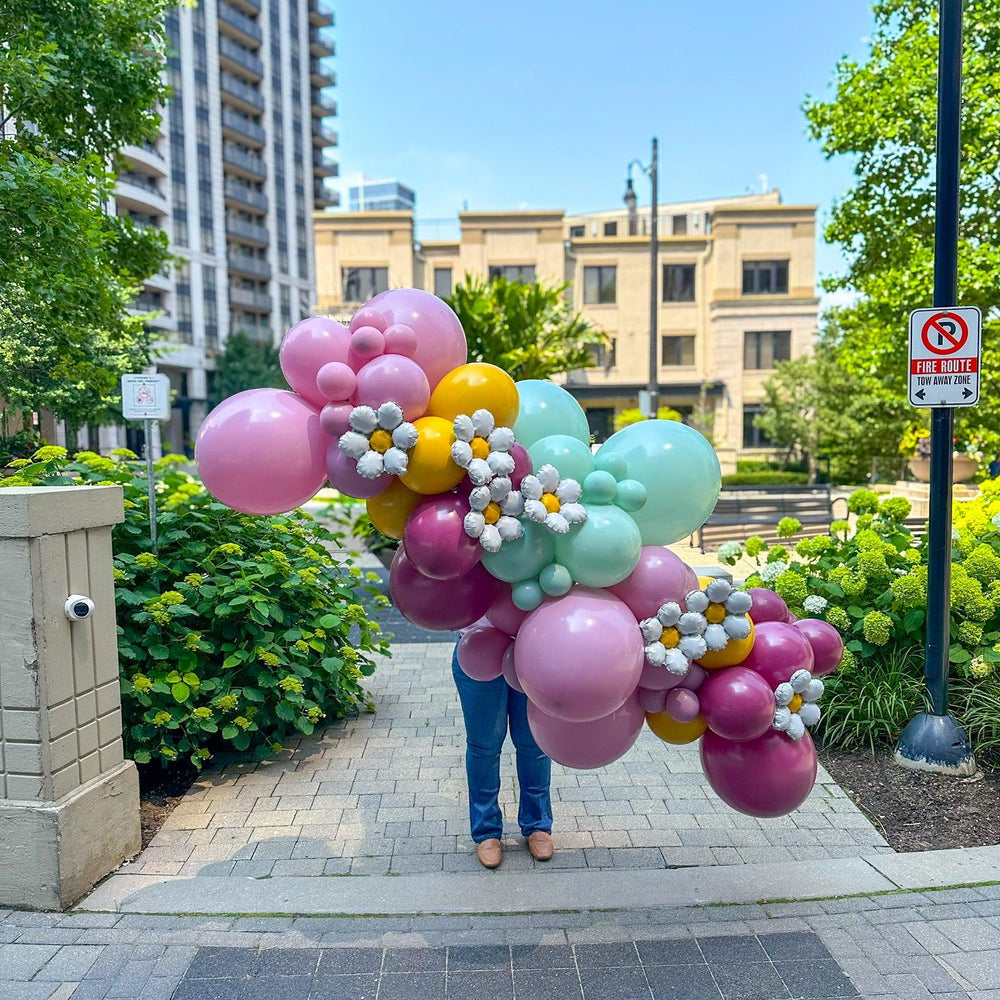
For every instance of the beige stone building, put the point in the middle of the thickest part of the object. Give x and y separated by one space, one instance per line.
736 292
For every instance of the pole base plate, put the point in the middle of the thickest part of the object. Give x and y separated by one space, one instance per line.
935 743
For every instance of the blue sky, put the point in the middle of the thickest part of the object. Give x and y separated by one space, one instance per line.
542 104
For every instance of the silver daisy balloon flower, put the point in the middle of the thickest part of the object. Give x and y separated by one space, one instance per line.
379 440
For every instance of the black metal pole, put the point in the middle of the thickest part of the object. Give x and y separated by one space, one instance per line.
654 246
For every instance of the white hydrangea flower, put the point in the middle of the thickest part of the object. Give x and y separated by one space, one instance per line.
552 501
796 705
771 571
482 448
815 604
494 514
729 552
995 520
379 440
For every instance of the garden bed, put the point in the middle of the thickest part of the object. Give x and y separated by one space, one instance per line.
160 789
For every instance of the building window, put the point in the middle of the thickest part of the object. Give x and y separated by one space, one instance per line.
525 273
603 355
599 285
678 282
765 277
577 232
442 282
610 228
753 436
761 349
676 351
361 283
680 225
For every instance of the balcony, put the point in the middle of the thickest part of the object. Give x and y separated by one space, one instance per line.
320 12
254 267
243 196
241 128
147 156
323 197
247 232
243 95
138 192
324 164
247 6
245 298
247 164
324 135
234 56
321 72
239 26
321 42
323 105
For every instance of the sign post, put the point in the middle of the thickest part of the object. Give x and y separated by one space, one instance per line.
944 346
147 398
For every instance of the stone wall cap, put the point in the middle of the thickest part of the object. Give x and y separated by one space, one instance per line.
31 511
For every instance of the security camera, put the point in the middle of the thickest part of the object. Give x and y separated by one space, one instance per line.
78 607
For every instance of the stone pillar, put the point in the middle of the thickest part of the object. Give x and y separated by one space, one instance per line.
69 801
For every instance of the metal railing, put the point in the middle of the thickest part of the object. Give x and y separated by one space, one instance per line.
238 20
326 104
249 162
323 196
246 264
323 135
321 10
236 87
325 163
320 71
321 41
249 299
239 55
246 195
253 232
241 123
437 230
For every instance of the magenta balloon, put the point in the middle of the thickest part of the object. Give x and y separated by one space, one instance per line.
440 605
580 656
435 538
366 316
827 645
767 606
262 451
588 744
737 703
652 701
695 677
481 651
681 705
307 346
440 338
400 339
335 418
658 577
659 678
522 465
768 776
778 651
505 615
343 475
395 378
509 673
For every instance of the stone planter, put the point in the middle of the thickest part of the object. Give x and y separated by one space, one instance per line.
385 554
963 468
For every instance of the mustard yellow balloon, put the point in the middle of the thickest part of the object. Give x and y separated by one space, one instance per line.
430 468
389 510
473 387
736 651
671 731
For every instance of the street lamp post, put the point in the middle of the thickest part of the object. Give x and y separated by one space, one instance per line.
654 246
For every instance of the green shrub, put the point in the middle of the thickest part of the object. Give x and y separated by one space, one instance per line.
20 444
238 632
765 478
634 416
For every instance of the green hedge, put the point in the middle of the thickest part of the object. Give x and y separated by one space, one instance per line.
766 479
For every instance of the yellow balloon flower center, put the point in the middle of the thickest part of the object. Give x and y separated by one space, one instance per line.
380 441
551 503
795 704
492 513
670 637
715 613
480 447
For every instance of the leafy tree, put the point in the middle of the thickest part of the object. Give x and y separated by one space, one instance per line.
246 364
883 115
79 79
529 330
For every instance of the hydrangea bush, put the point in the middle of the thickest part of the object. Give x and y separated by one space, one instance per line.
238 632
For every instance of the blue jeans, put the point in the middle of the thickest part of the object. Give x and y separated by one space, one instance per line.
489 707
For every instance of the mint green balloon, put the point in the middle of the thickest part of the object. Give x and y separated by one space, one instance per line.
524 558
547 408
555 580
569 455
603 550
527 595
680 471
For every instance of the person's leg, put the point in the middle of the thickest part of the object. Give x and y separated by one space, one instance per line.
484 706
534 770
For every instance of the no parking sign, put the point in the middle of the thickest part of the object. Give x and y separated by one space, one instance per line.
945 356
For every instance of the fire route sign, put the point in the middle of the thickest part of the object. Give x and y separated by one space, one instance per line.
946 353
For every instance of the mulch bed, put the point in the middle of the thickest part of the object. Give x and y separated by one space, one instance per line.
159 792
917 810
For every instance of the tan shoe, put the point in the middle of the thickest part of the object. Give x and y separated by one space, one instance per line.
489 853
540 845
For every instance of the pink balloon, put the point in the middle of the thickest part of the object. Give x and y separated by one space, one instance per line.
367 316
509 673
392 377
695 677
778 651
791 619
262 451
658 577
682 705
440 605
769 776
827 645
478 623
588 744
522 465
504 614
440 338
767 606
366 343
343 474
307 346
435 539
737 703
579 657
652 701
481 651
336 380
335 417
659 678
400 339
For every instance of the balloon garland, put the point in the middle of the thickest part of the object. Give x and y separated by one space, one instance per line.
548 557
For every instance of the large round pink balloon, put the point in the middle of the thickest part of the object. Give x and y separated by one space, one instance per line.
827 646
768 776
737 703
435 538
504 614
588 744
391 377
767 606
509 673
440 605
480 652
779 649
343 474
440 338
310 344
262 451
658 577
580 656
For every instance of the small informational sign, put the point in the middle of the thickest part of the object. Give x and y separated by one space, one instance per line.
145 397
945 356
